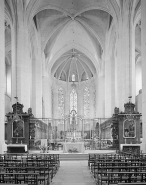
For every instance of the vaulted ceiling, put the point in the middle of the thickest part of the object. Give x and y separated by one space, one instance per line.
68 26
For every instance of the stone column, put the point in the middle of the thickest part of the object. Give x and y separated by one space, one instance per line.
2 75
13 64
124 60
108 86
100 89
143 58
23 64
47 97
37 87
110 72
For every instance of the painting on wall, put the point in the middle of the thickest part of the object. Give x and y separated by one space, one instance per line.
129 128
18 128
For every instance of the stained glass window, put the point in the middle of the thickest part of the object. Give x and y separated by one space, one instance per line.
73 100
52 102
60 103
86 102
73 77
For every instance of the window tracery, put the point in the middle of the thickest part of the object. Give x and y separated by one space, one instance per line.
73 100
86 102
61 103
73 77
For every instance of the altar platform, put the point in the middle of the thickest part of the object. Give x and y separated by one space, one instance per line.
76 156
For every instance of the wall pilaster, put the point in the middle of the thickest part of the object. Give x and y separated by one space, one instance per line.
143 58
108 86
23 64
100 103
2 74
124 66
37 87
47 97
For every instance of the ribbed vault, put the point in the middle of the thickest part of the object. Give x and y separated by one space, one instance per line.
68 26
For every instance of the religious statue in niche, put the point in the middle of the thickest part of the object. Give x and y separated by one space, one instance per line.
18 128
30 112
129 127
116 110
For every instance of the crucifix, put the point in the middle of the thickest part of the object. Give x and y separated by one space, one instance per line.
16 103
17 138
130 98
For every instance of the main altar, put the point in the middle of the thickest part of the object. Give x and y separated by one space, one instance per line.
73 147
73 138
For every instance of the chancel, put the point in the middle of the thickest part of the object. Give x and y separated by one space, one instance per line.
73 88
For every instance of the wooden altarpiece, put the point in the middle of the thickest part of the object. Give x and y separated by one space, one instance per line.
129 129
17 129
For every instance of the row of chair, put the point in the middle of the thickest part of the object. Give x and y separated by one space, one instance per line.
28 169
116 168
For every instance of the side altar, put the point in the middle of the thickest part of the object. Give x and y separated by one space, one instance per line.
17 129
126 129
17 148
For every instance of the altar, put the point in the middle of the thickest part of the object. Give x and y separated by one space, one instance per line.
17 148
78 146
130 148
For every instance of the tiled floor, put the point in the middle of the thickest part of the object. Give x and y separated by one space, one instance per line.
73 173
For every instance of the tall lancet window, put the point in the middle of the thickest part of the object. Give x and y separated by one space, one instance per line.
86 102
73 77
73 100
61 103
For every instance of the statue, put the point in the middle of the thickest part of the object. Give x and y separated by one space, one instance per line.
116 110
30 112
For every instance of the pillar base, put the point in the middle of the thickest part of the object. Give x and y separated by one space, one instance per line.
143 147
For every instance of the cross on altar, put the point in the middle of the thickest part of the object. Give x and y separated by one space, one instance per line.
17 137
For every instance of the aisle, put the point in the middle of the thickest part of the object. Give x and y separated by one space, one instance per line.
73 173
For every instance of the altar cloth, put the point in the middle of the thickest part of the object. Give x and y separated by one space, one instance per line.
76 145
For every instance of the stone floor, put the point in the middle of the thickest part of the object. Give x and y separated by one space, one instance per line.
73 173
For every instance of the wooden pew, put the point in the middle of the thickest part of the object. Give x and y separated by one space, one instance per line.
29 165
119 166
133 183
18 178
120 177
45 175
104 165
102 157
11 184
119 169
50 163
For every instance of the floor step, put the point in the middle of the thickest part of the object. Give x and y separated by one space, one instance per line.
73 156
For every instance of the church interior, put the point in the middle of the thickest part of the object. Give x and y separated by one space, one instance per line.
72 78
